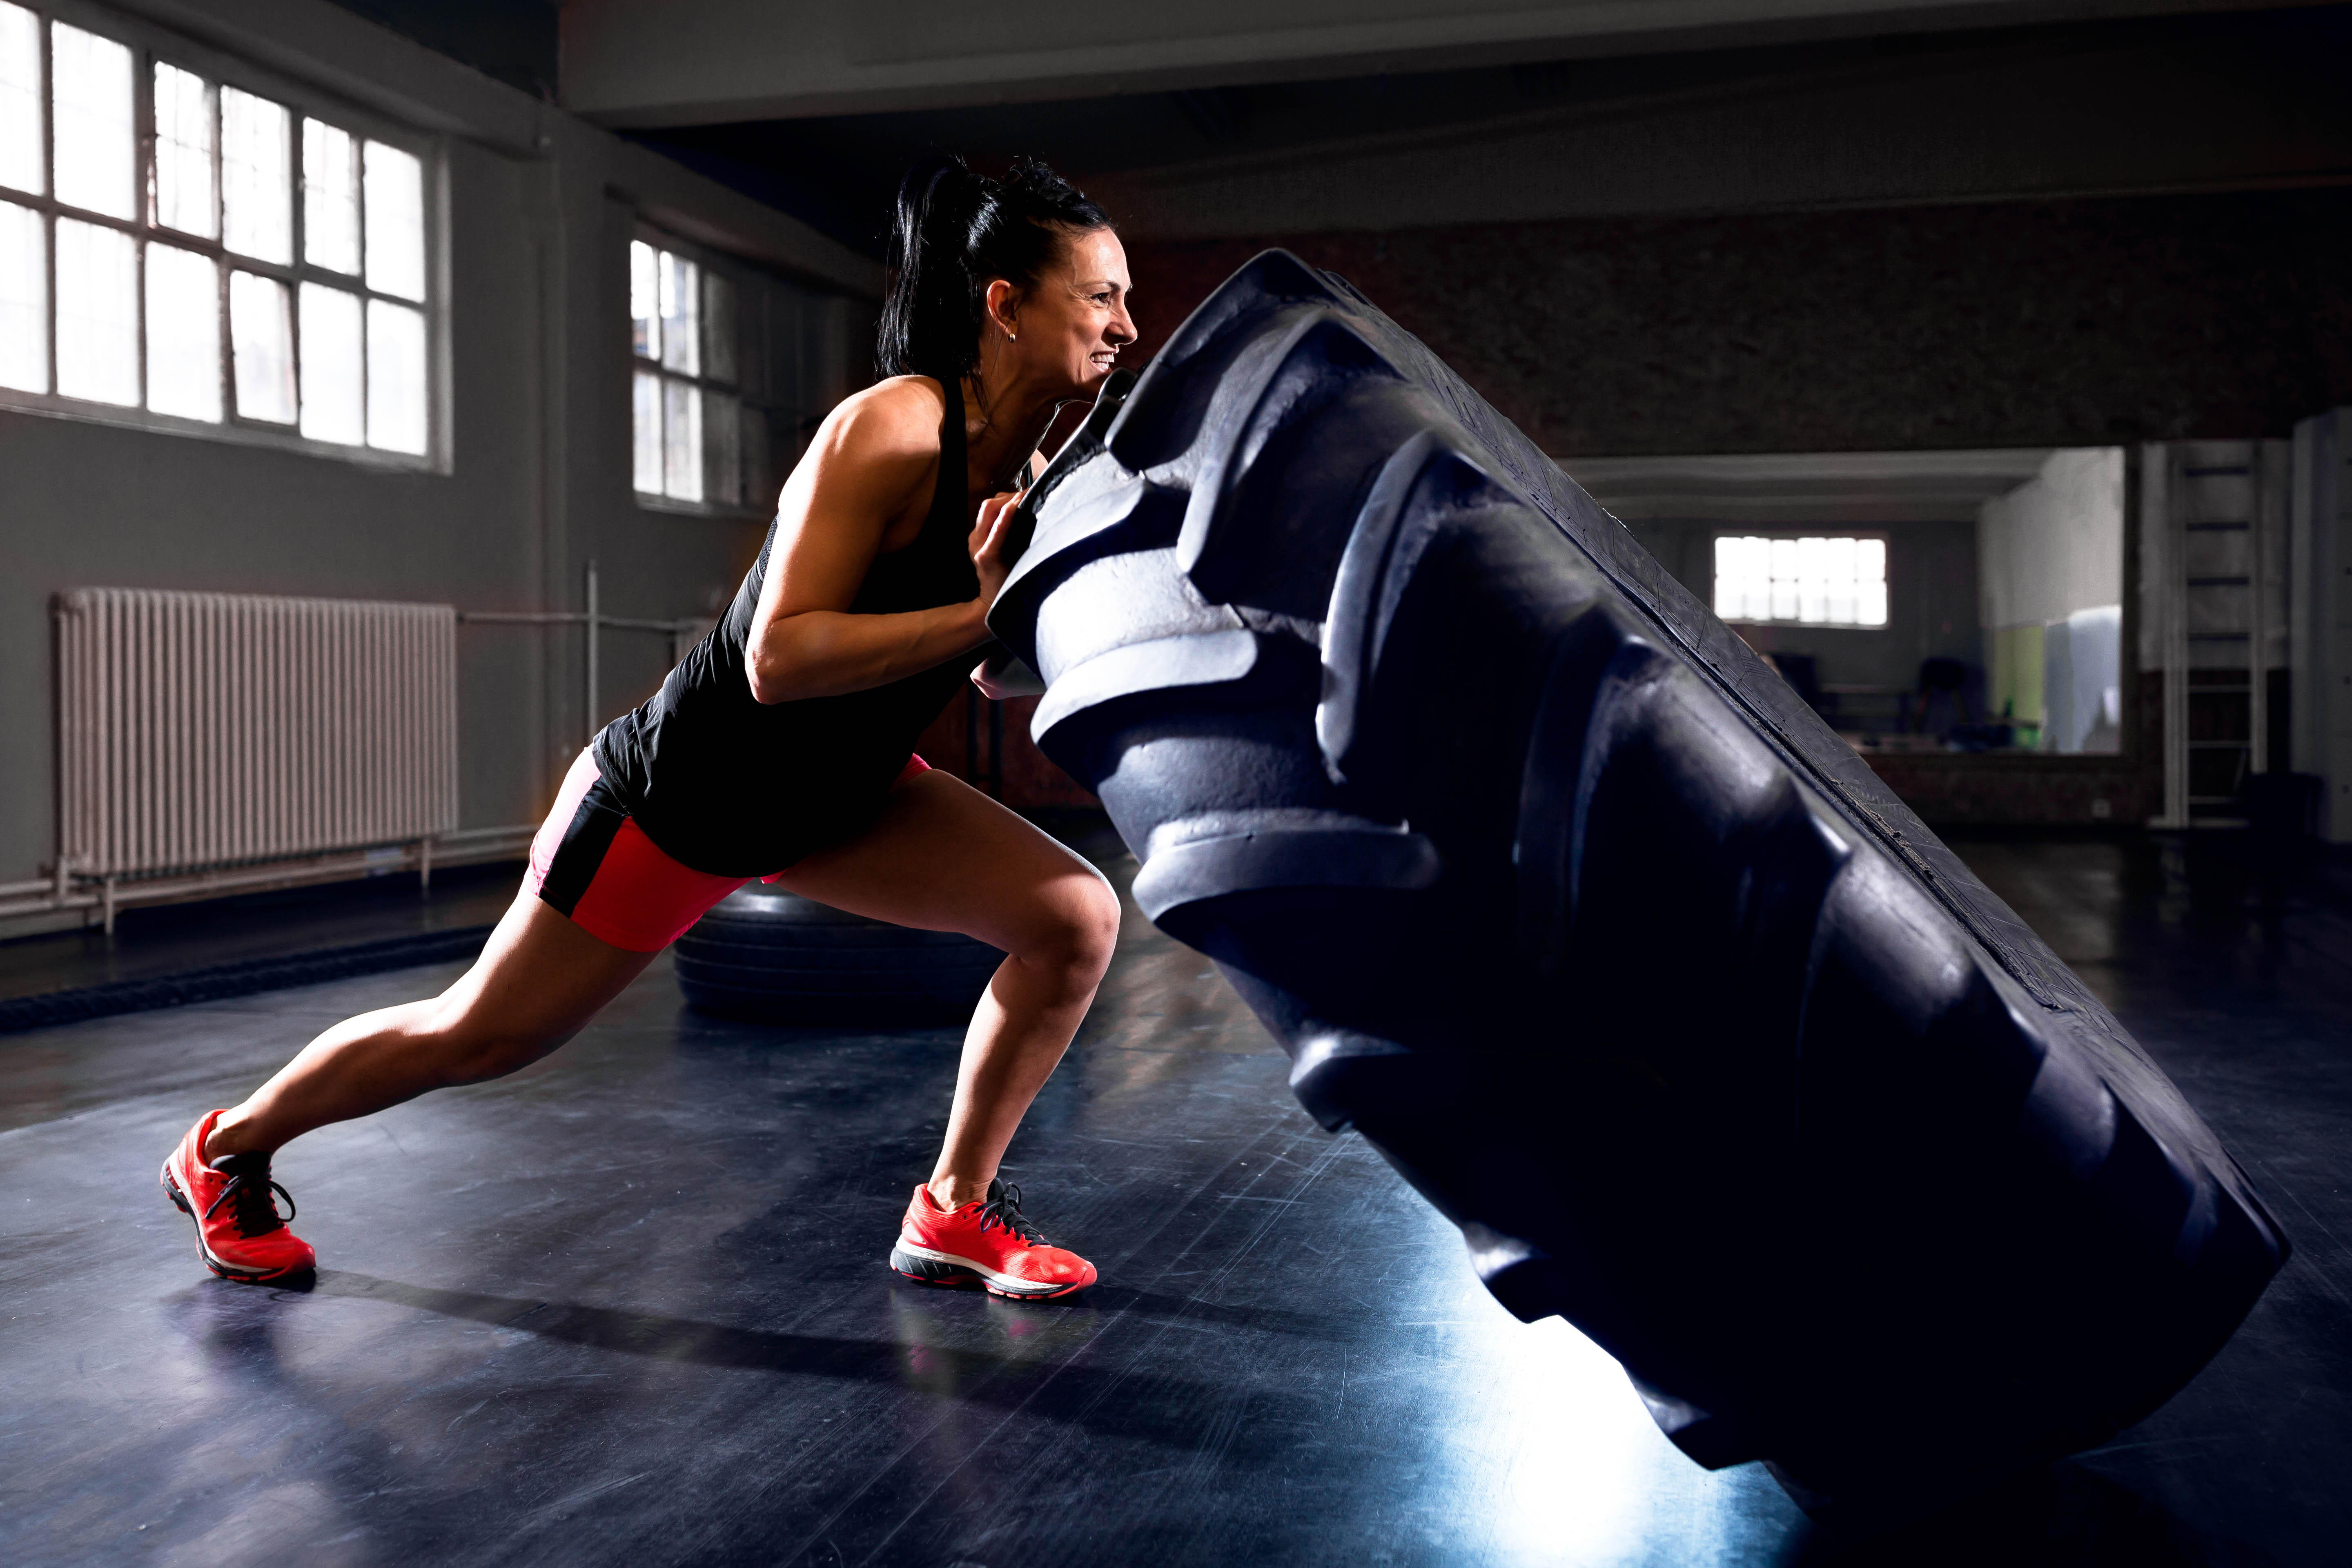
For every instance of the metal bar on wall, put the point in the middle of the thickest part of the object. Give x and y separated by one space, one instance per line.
592 628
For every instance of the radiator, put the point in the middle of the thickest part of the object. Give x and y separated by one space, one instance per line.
201 730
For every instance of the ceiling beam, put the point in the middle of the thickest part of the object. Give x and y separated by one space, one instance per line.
653 63
1802 487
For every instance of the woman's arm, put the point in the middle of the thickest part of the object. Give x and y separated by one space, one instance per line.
865 470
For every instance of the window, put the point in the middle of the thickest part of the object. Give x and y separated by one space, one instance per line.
178 247
1814 580
699 412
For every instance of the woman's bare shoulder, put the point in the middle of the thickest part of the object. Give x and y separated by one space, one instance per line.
897 416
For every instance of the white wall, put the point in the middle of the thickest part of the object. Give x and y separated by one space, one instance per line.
2055 543
2049 567
541 206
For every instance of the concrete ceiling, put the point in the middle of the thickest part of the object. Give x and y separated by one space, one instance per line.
668 63
1799 488
2113 106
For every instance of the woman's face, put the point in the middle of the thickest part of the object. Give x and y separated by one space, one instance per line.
1073 322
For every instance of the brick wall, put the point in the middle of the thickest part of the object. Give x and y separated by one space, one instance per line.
2023 325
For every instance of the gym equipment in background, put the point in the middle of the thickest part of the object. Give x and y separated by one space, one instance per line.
776 958
1558 894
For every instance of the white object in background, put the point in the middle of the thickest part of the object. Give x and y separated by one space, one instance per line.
2320 616
203 729
2213 529
2081 698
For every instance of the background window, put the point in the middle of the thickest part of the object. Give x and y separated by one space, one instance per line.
177 289
1814 580
700 419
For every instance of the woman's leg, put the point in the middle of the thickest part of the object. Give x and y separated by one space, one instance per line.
943 857
539 982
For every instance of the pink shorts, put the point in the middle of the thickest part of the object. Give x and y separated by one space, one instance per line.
598 869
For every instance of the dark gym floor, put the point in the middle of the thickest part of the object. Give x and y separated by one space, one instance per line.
630 1305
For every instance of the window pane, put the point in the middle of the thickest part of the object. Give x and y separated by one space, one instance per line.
644 302
1870 582
90 79
722 420
751 339
1788 581
261 333
1871 598
680 308
1823 580
646 394
395 377
758 487
681 441
719 328
1812 581
23 299
330 197
332 377
395 222
257 183
183 369
98 313
1837 572
20 100
184 151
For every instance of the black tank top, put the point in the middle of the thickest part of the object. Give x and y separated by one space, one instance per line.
729 785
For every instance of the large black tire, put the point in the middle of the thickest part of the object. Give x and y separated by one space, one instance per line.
1559 895
774 958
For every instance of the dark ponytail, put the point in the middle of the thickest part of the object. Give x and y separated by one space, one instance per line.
956 231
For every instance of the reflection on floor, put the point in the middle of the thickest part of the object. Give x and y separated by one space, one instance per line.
154 942
630 1305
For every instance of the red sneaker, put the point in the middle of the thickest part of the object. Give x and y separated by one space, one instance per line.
992 1242
238 1228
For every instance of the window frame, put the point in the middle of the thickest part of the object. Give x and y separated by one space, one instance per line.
748 283
149 46
1883 536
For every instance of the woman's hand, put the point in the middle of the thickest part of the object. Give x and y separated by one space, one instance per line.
1000 676
987 544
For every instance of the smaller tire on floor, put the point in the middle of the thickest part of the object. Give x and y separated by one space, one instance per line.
776 958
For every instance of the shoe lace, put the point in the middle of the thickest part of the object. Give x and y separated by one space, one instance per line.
1003 1207
254 1210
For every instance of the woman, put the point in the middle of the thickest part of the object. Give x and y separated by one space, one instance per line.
780 748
